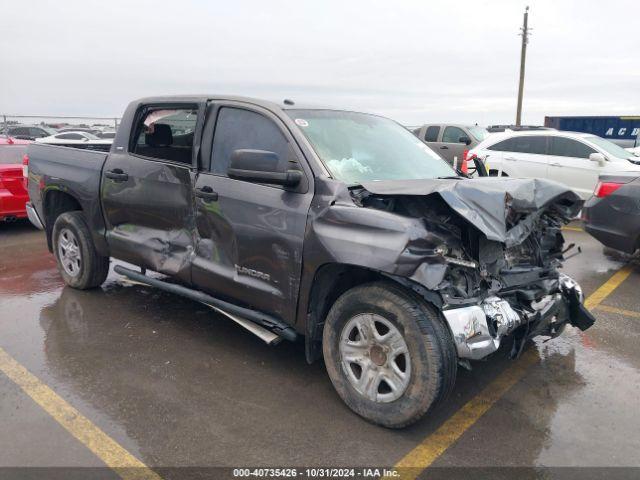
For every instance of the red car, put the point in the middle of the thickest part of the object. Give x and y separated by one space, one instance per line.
13 194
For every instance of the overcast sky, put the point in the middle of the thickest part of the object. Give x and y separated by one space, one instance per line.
415 61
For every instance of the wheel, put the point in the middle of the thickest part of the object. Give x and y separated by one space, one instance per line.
389 355
78 262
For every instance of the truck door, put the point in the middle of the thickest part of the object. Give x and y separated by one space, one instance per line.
450 145
147 191
250 241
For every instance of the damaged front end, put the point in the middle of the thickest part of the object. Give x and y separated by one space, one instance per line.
492 254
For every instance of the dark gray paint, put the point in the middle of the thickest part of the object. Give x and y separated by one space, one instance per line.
278 250
615 219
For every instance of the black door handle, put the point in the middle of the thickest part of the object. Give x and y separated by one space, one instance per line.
117 175
444 147
207 194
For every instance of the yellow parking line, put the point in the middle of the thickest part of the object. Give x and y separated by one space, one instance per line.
104 447
620 311
609 286
573 229
452 429
434 445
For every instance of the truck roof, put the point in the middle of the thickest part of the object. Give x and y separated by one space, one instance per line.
255 101
239 98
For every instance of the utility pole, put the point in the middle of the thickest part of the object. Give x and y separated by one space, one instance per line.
523 56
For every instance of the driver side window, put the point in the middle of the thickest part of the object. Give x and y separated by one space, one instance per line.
237 129
453 134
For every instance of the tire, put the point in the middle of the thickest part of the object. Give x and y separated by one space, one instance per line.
78 262
430 361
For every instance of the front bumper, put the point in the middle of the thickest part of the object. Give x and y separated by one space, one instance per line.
33 216
478 330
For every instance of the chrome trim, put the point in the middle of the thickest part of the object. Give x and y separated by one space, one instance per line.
470 327
479 329
33 216
471 332
567 284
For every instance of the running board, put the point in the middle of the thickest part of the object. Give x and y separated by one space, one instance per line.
260 324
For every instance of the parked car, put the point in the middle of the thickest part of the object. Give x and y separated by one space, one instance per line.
575 159
106 135
80 139
515 128
13 192
451 141
612 214
338 226
29 132
71 128
635 151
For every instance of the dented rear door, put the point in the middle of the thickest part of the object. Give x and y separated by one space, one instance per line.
147 192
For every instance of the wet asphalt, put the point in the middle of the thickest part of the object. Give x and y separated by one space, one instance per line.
177 385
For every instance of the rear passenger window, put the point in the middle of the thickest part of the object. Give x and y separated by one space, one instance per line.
166 134
70 136
242 129
566 147
19 131
431 135
528 144
503 146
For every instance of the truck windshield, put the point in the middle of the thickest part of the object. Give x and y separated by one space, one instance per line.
479 133
357 147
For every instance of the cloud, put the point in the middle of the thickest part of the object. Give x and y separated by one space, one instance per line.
413 60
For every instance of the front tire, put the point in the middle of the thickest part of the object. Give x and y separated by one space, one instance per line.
388 353
78 262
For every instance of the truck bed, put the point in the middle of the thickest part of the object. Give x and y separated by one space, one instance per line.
69 170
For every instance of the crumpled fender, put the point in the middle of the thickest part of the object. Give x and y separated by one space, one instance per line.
380 240
339 231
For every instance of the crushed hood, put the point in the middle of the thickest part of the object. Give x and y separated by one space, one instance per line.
492 204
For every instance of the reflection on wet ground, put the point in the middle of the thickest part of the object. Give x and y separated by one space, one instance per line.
176 384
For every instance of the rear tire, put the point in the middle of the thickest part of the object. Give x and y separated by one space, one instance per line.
78 262
359 367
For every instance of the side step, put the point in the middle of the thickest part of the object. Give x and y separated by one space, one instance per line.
253 321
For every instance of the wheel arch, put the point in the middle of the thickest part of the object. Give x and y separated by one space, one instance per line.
54 204
333 279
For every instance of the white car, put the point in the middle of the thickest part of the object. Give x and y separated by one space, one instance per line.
634 150
575 159
71 138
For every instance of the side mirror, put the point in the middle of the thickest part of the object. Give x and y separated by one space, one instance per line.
598 157
261 166
85 139
466 140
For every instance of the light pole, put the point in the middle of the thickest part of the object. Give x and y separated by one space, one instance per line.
523 56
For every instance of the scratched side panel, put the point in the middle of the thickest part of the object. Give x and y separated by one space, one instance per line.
150 217
249 247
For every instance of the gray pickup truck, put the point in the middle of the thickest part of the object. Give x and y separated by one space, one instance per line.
336 226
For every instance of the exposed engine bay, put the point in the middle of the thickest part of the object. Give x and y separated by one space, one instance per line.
494 251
